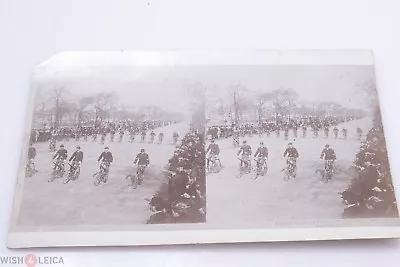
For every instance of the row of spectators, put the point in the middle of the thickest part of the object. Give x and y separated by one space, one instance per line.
182 199
371 192
65 133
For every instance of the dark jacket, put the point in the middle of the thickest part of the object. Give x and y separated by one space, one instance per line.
291 152
142 159
106 156
77 156
328 154
61 154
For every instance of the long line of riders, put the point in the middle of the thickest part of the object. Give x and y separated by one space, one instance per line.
61 133
216 132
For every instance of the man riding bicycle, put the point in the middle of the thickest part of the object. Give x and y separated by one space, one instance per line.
291 154
336 132
143 136
76 158
328 154
359 133
175 137
142 160
61 155
31 157
105 157
160 137
152 135
245 152
213 153
261 155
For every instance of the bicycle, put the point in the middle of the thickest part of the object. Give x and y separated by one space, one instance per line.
58 171
245 165
262 167
359 135
336 135
326 133
214 164
327 173
74 172
137 178
29 170
52 146
160 140
102 175
290 170
151 139
175 141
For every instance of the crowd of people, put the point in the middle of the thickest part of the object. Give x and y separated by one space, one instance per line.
371 192
182 199
296 127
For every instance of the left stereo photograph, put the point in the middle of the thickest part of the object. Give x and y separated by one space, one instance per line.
110 146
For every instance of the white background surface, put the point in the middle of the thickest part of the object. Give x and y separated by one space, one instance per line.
31 31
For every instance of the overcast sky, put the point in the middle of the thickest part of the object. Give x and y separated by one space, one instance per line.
166 86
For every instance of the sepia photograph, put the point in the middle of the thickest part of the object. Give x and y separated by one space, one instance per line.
287 143
153 148
116 145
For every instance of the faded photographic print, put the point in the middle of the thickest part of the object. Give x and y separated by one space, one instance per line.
297 142
153 148
113 145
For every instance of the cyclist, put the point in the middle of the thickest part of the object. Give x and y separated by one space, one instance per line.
152 135
336 132
107 158
143 135
291 153
344 132
213 152
60 155
261 155
31 156
326 130
175 137
76 158
160 137
245 152
359 133
121 134
142 160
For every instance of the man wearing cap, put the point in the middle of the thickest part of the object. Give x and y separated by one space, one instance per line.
261 154
213 152
61 155
291 152
106 157
245 152
328 153
77 157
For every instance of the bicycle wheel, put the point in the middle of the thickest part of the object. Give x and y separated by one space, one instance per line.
135 181
52 176
68 178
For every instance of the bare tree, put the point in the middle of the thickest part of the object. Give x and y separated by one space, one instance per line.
261 100
82 105
61 105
